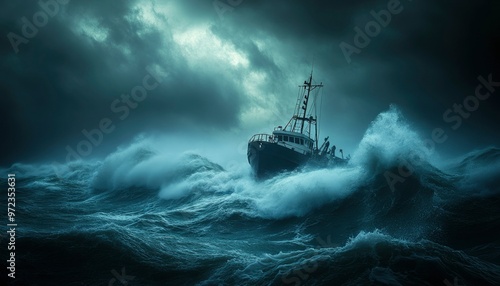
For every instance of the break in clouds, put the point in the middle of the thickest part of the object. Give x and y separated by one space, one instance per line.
105 71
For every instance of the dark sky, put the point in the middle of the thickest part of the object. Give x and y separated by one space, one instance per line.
234 71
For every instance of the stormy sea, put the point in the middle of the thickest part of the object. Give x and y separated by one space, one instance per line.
395 215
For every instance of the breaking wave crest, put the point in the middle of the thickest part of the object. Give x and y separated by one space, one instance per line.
188 219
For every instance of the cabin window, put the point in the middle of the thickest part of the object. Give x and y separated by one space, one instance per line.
285 138
301 141
280 138
297 140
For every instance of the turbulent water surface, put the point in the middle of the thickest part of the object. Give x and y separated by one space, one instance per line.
140 217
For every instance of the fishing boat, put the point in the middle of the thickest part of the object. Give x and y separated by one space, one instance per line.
296 144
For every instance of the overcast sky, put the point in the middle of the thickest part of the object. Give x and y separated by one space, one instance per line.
231 68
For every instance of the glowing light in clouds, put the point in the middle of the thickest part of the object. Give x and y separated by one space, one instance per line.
91 28
199 43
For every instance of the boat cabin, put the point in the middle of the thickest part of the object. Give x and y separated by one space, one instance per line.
294 140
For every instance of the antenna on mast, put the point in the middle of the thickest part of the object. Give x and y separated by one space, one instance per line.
312 64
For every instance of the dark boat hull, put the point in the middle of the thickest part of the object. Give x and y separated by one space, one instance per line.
267 158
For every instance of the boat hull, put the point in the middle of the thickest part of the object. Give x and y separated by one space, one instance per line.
267 158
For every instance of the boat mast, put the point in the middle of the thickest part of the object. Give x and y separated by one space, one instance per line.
309 86
306 101
302 103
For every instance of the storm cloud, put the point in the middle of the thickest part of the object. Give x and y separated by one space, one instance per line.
213 67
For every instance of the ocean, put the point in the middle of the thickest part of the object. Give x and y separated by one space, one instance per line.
395 215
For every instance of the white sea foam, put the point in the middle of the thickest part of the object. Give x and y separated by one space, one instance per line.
288 194
178 174
388 140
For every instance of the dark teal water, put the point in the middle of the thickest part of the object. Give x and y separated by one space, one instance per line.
143 218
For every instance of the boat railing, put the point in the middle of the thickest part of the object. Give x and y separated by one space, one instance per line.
262 138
